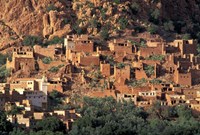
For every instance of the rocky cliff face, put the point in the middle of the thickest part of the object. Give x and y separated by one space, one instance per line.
49 18
31 17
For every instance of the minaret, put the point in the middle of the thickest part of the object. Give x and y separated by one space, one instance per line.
44 84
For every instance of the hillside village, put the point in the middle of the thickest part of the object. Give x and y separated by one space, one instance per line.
98 61
143 69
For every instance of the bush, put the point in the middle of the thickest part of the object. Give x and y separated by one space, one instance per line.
154 16
120 65
47 60
32 40
4 73
116 1
104 33
62 65
51 7
155 81
123 22
135 8
186 36
149 70
168 26
53 69
139 29
156 57
153 29
3 58
55 40
77 29
50 124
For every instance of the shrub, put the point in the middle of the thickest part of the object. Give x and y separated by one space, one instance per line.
142 43
156 57
94 23
120 65
139 29
32 40
104 33
149 70
53 69
3 58
186 36
153 29
168 26
51 7
47 60
135 8
62 65
123 22
155 81
55 40
77 29
154 16
116 1
4 73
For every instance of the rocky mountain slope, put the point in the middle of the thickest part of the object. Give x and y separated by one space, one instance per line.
50 18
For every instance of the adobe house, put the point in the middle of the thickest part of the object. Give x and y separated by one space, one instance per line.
141 72
22 59
89 60
24 83
67 117
182 75
122 73
195 107
121 46
145 52
53 51
105 69
79 43
190 94
103 94
55 84
174 99
82 58
123 92
186 46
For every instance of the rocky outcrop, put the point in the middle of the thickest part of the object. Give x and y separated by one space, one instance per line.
35 17
30 17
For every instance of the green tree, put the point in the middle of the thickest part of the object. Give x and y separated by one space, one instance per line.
53 69
168 26
135 8
55 99
47 60
149 70
104 33
50 124
3 58
108 117
55 40
32 40
5 126
51 7
154 16
4 73
156 57
120 65
17 131
123 22
153 29
186 36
